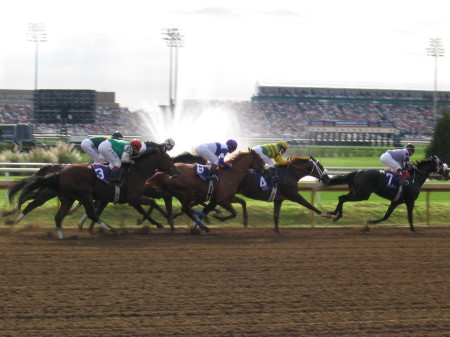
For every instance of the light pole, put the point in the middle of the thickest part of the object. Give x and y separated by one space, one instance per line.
174 40
435 49
36 34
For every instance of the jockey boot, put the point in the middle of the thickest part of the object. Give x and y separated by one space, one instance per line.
114 176
212 175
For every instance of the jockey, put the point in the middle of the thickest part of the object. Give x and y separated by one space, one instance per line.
267 152
214 154
117 151
398 160
168 145
90 146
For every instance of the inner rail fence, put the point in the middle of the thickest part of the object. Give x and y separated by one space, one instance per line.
304 186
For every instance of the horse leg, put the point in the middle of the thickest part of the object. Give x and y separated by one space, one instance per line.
187 209
410 207
40 199
99 208
65 204
237 200
276 213
147 214
299 199
10 211
74 209
226 205
169 209
388 213
344 198
143 200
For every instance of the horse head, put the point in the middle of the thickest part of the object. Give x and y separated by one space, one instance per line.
310 166
431 164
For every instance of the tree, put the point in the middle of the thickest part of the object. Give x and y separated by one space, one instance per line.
440 143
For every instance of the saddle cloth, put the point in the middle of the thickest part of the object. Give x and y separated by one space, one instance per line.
203 172
264 183
103 172
392 179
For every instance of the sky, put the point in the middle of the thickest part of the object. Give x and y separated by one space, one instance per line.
229 46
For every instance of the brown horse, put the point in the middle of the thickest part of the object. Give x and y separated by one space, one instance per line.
79 182
286 189
189 189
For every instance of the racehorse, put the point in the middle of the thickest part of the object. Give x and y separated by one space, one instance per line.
286 188
363 183
79 182
189 189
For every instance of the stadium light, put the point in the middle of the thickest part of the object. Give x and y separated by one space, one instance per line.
174 40
36 34
435 49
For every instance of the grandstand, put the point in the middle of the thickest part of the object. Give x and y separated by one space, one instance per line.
317 115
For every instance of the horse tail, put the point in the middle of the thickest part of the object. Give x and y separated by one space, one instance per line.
16 187
35 182
343 179
20 184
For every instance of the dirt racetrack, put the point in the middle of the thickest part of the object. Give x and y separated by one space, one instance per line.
230 282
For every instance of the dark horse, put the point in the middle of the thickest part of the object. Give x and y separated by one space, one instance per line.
363 183
79 182
189 189
287 186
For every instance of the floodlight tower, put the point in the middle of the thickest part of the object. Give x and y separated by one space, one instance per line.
435 49
36 34
174 40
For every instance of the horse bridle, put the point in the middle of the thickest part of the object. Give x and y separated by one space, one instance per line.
314 166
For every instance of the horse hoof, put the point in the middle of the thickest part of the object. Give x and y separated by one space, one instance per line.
9 222
160 226
195 231
366 228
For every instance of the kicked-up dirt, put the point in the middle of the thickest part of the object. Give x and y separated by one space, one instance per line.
229 282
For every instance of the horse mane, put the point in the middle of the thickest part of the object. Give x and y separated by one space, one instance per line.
293 159
145 154
424 161
187 157
237 155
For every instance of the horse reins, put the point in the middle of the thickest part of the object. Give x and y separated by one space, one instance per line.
314 166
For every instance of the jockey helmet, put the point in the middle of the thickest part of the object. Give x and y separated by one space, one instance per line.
117 135
136 144
411 148
169 143
283 144
232 145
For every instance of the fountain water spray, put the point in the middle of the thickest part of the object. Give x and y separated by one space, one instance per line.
191 124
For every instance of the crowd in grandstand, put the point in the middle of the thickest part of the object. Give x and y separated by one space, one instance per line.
258 118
